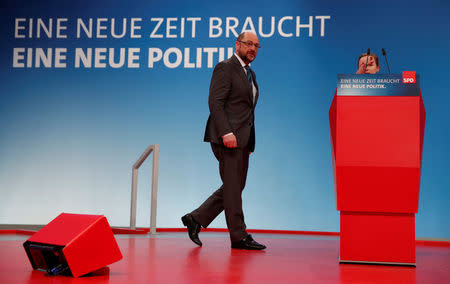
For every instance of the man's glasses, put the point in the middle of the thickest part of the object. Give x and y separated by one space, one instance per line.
250 44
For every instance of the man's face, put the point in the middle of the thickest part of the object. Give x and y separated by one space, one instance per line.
246 48
372 67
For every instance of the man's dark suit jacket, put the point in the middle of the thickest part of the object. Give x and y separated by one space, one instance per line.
231 104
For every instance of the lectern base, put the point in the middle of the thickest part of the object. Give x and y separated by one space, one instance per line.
377 238
376 263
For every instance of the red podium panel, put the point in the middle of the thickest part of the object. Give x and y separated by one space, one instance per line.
377 153
83 243
378 238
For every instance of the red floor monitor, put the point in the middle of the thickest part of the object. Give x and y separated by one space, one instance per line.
73 244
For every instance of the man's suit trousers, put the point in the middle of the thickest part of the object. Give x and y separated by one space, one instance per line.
233 166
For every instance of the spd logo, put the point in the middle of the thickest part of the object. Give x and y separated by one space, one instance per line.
409 77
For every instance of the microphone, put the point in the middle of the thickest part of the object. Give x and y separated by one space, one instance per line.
385 57
367 59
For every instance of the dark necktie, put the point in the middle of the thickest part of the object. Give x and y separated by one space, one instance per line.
249 75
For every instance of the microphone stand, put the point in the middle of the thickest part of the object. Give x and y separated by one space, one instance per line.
385 57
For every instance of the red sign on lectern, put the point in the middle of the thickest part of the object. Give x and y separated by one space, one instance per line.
409 77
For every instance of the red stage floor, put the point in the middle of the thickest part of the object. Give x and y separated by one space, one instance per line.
173 258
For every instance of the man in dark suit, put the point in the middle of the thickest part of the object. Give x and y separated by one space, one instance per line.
230 129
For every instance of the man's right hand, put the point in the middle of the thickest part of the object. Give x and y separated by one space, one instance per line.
229 140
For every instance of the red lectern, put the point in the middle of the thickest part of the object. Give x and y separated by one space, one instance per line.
73 243
377 128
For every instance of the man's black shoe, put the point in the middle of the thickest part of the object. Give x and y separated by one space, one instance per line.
248 243
193 228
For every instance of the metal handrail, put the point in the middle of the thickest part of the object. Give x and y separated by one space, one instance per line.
155 149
